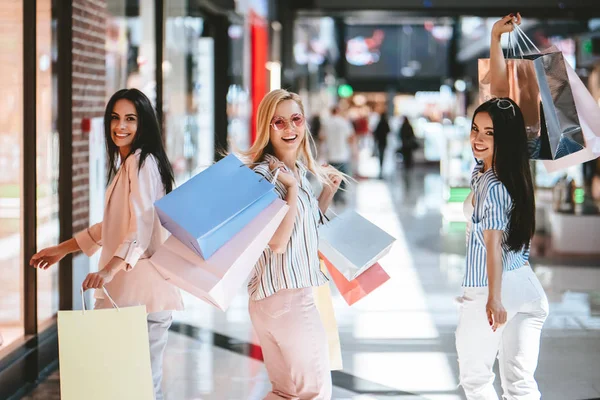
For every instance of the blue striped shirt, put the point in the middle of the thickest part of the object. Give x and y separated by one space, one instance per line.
491 212
299 266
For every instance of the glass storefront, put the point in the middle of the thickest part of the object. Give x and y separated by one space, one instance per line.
48 228
12 285
188 107
130 49
188 75
238 94
11 165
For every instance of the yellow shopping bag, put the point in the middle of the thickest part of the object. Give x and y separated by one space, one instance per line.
325 306
104 354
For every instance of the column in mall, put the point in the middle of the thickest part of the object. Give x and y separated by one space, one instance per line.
220 33
340 36
284 12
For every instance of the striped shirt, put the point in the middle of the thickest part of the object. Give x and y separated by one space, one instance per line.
491 212
298 267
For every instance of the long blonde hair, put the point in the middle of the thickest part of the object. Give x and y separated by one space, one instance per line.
262 145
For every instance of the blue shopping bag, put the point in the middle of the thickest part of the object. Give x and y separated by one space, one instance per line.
208 210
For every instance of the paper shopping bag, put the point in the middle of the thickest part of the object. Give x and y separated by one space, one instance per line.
352 243
359 287
209 209
589 117
104 354
324 304
218 279
541 84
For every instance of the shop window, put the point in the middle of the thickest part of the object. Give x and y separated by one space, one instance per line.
11 165
47 159
130 47
188 107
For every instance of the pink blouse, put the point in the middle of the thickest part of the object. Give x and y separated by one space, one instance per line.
132 231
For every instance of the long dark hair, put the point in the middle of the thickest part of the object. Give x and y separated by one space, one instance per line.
148 137
510 163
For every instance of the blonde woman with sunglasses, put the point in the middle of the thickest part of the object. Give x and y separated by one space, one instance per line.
282 308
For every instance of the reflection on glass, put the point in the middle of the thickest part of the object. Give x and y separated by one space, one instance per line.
238 94
130 52
47 158
11 162
188 108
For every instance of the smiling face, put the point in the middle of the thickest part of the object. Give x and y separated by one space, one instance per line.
287 129
123 125
482 138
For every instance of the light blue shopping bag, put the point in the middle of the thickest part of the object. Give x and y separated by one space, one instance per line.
208 210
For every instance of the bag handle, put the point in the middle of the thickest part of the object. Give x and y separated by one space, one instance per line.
516 44
277 170
326 217
275 176
107 295
524 36
511 46
526 40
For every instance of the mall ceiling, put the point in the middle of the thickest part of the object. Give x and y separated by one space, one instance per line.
372 8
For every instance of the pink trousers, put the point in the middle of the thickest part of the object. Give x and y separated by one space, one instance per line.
294 345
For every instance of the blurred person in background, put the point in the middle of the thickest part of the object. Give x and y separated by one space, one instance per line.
315 128
380 133
409 144
361 124
337 134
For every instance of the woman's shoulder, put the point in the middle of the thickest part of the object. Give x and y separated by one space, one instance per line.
494 189
490 179
149 164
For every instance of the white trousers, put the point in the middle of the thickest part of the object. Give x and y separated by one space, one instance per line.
158 334
516 343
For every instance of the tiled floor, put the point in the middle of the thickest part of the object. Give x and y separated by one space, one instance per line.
399 342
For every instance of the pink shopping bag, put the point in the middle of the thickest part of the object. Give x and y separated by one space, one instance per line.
359 287
218 279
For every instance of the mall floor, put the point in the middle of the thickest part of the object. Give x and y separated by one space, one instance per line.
398 343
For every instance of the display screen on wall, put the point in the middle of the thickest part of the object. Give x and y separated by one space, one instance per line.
397 51
315 41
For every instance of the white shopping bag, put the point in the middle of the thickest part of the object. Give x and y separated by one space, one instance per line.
218 279
353 244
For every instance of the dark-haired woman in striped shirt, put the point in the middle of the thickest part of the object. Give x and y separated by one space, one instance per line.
503 306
